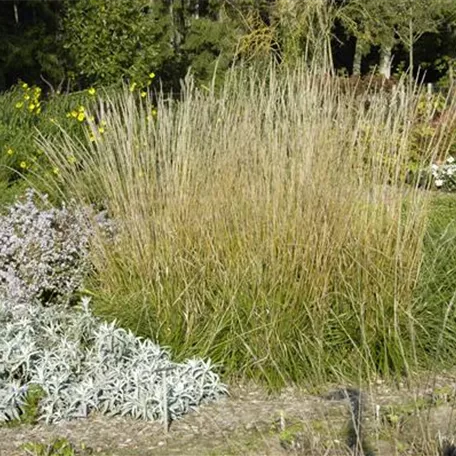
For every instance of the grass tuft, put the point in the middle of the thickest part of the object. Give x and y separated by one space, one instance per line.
269 227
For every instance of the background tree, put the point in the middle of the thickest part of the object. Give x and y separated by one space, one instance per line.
108 40
29 42
102 41
414 18
371 23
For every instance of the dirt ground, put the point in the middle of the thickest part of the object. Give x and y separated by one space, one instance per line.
398 420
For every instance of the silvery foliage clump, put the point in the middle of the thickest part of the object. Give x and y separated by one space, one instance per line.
43 252
83 364
445 174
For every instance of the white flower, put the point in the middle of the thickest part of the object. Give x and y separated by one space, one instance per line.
439 182
450 171
434 167
450 159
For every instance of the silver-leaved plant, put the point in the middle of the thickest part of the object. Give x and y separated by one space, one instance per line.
83 364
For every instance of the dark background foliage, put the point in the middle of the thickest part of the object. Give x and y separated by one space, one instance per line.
73 44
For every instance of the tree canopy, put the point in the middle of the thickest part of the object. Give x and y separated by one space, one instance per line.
86 42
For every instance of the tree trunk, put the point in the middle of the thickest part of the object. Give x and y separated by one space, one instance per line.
196 14
411 42
357 59
16 14
385 61
173 27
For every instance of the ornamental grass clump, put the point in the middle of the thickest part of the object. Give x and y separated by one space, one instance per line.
269 225
82 364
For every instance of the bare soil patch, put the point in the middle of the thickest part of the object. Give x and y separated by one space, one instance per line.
398 420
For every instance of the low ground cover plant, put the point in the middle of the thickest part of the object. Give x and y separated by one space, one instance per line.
83 365
58 447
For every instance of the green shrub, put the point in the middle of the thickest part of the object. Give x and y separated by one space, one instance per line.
118 39
26 114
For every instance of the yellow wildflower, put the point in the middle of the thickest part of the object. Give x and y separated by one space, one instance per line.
132 87
152 75
74 114
72 159
38 110
154 112
91 91
10 151
26 97
101 130
81 109
81 117
55 170
25 86
23 164
143 94
19 104
92 138
31 107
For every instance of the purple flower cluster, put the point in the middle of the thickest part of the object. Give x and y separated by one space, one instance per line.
43 252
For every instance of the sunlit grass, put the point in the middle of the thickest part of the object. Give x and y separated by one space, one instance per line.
268 227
